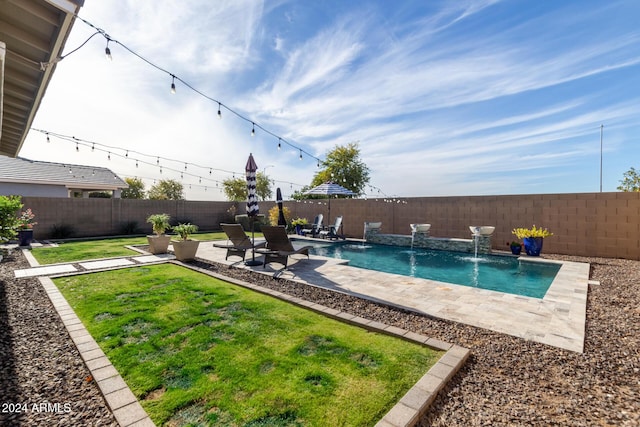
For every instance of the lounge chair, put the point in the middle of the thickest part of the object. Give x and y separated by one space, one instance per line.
315 227
332 231
279 248
240 242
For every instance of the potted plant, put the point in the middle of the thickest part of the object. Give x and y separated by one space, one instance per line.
298 224
532 238
25 227
516 247
159 243
185 248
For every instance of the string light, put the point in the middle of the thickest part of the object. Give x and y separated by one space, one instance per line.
48 140
300 154
279 143
253 129
96 146
173 79
77 147
107 51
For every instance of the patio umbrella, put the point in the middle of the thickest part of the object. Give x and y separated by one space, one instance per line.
330 189
281 218
252 203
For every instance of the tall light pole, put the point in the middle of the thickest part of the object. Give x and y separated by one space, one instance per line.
601 131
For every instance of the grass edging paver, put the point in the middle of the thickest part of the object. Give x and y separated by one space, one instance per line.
129 412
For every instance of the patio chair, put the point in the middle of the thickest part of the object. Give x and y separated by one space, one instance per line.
332 231
279 248
240 242
315 227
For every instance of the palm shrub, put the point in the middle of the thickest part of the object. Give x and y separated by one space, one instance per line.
159 223
185 230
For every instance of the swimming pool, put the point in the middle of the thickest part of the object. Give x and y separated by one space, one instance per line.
493 272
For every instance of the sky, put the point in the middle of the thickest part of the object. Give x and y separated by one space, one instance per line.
443 98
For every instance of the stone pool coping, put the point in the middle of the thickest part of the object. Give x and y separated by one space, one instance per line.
127 409
558 319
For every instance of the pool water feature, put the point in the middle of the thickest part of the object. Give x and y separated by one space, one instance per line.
492 272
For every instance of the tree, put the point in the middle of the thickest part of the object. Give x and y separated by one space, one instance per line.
167 189
135 190
236 188
631 181
342 166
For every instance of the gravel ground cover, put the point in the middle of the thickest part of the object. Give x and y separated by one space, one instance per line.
43 380
506 382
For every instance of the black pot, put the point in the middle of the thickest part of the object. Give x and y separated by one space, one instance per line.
25 237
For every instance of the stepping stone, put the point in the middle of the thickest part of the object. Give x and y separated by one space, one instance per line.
45 270
94 265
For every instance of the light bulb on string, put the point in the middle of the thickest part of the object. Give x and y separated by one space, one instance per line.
107 51
181 175
160 169
185 166
77 148
93 146
199 180
127 154
48 140
279 143
70 171
136 162
173 84
209 171
158 161
300 154
109 155
253 129
219 112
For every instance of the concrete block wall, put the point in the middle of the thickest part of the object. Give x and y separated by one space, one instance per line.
586 224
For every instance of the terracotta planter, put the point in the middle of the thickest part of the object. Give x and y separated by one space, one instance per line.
185 250
158 244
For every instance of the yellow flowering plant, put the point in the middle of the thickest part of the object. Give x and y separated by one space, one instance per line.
534 231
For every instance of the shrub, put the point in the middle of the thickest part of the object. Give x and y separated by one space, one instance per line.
185 230
62 231
274 213
129 227
159 222
9 206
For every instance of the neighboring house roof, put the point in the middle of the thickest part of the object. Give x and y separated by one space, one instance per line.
34 32
25 171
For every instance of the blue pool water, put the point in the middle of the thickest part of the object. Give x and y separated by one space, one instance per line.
492 272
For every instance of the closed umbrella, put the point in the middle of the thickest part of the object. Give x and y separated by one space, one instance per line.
252 204
330 189
281 219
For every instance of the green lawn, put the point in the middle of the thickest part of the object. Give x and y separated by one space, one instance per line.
199 351
82 250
